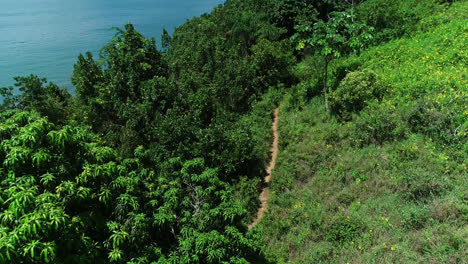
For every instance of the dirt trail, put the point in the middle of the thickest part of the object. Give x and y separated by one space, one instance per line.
265 195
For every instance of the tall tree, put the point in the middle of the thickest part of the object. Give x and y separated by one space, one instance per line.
121 94
338 36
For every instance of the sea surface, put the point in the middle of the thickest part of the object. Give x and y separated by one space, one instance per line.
45 37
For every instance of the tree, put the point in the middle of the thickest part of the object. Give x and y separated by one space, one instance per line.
165 40
332 39
120 95
198 212
286 14
50 100
86 76
352 5
66 198
55 188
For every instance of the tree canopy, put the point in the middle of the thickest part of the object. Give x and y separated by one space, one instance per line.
160 155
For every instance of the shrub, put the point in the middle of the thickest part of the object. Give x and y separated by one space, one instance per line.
415 217
353 93
442 121
311 78
378 124
340 69
423 184
343 228
346 198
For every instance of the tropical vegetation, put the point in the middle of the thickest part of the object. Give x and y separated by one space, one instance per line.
159 155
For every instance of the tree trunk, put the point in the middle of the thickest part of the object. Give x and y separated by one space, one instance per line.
325 84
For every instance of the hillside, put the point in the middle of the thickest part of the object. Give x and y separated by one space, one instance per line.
295 131
386 183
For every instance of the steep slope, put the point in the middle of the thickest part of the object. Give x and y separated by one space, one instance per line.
390 184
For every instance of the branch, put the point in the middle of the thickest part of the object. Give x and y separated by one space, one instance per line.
456 130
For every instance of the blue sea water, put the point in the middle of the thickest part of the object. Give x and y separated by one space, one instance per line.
44 37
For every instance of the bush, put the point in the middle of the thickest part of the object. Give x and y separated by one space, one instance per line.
344 228
441 121
311 78
353 93
423 184
272 62
340 69
378 124
415 217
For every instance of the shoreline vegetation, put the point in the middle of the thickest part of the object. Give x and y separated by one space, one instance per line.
160 156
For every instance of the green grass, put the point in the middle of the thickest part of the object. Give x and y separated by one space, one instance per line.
398 197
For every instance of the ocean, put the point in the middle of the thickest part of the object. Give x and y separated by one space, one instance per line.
45 37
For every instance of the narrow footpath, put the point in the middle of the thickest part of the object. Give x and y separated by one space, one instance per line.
265 194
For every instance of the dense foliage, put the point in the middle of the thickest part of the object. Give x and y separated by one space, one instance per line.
159 158
55 186
50 101
68 199
337 37
183 157
354 92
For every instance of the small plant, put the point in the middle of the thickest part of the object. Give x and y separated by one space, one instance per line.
346 198
415 217
359 178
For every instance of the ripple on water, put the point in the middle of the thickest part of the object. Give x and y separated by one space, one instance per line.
45 37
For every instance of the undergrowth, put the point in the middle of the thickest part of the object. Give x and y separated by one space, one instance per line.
386 184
